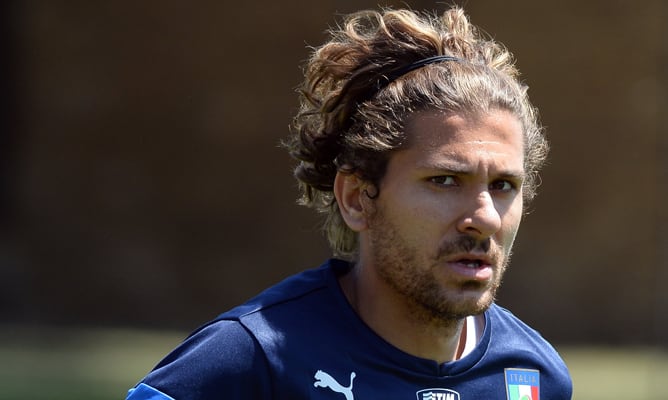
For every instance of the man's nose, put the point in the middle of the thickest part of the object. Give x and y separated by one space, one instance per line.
480 219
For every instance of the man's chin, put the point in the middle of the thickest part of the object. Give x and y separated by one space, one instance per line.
473 304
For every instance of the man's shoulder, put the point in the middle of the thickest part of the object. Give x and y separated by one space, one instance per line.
511 335
218 358
506 323
289 292
514 341
234 353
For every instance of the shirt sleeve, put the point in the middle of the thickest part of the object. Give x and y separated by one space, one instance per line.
145 392
221 361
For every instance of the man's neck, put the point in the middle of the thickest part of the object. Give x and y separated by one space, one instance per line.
401 324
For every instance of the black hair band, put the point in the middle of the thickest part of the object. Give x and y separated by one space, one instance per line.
419 64
386 79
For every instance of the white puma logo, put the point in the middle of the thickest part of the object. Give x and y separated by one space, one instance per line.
323 379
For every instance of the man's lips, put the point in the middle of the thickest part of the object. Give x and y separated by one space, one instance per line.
477 267
472 259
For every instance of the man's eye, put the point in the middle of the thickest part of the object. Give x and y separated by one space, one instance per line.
445 180
502 185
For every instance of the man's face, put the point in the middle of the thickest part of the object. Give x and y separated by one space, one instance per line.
442 228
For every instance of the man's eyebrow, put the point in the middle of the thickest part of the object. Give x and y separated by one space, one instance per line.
512 175
457 168
451 165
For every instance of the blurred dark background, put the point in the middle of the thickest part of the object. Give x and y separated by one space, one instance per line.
142 183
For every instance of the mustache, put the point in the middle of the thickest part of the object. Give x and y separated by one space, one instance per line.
467 244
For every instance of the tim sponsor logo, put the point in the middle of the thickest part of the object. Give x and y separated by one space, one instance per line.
437 394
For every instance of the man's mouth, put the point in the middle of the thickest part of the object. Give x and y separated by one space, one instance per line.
473 260
472 266
472 263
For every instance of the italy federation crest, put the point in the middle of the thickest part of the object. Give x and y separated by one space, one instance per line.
522 384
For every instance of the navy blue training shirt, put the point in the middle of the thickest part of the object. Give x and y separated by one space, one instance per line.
300 339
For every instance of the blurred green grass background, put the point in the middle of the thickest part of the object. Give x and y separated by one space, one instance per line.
40 363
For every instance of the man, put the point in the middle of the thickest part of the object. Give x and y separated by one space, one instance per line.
418 142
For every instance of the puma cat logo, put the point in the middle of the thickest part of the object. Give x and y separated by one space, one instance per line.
323 379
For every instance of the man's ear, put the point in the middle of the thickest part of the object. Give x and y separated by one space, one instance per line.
349 191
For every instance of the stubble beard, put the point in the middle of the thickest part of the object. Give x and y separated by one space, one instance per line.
401 267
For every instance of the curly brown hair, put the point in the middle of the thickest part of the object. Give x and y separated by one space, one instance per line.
353 106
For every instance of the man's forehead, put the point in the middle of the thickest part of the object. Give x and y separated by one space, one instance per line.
436 128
